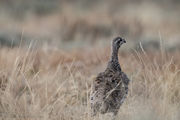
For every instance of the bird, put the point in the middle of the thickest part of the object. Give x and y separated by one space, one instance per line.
110 88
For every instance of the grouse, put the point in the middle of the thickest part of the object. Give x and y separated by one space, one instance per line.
110 88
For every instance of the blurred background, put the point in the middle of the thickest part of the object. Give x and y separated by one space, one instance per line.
71 24
50 51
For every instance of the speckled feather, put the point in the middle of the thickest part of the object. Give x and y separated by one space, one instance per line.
109 88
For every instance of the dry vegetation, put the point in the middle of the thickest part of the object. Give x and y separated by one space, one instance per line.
54 84
45 83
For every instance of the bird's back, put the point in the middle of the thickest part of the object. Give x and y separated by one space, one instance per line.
109 89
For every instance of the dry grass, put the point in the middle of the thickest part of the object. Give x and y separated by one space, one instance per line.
54 84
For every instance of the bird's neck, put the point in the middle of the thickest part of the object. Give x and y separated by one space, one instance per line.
114 61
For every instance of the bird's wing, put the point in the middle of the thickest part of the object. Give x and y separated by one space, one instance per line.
97 88
125 79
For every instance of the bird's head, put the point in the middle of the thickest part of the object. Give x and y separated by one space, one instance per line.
117 42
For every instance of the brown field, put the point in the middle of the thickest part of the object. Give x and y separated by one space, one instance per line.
52 84
50 50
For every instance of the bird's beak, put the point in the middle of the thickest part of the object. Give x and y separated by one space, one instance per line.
124 41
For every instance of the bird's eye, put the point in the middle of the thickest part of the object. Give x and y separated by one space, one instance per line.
119 40
113 81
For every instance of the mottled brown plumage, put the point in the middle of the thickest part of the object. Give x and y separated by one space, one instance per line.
110 88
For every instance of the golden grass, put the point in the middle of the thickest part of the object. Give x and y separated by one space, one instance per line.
55 84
